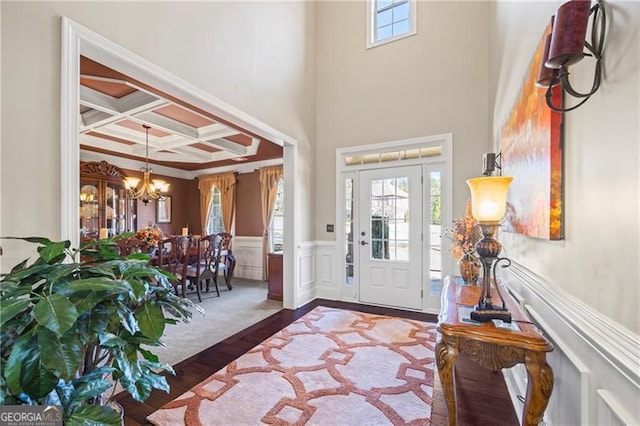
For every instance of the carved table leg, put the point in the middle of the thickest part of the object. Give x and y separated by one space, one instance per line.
446 353
539 387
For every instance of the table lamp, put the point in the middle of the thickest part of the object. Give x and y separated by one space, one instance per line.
488 205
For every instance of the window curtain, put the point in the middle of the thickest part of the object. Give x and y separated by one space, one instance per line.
269 177
226 183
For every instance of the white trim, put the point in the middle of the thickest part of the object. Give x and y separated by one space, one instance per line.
77 40
611 340
613 409
69 133
572 357
594 356
371 26
444 140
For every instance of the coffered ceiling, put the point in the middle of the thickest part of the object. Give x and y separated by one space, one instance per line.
114 108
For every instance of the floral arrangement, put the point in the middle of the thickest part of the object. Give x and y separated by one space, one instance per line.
150 234
465 234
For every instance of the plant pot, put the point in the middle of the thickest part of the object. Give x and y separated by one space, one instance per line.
469 269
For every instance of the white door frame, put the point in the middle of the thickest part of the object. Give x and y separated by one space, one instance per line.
78 40
344 171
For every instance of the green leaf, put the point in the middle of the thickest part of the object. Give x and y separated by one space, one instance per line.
11 290
139 289
92 323
35 380
127 319
56 313
86 301
12 307
96 374
150 319
13 367
148 355
94 415
110 340
158 381
60 354
130 368
158 366
53 250
91 389
139 390
99 284
66 270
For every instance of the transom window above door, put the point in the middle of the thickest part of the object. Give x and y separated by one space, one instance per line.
389 20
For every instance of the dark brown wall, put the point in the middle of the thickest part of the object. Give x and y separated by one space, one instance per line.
248 205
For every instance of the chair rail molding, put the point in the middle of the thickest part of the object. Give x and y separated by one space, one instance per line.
593 356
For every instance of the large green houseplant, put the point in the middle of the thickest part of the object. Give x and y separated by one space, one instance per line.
75 322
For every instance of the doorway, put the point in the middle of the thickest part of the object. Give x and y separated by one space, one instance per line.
78 40
393 200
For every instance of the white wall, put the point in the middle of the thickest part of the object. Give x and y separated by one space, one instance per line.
256 56
598 262
432 83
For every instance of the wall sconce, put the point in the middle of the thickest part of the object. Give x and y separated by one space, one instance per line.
565 46
488 205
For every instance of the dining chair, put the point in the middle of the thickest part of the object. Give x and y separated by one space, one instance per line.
173 257
226 261
126 246
202 270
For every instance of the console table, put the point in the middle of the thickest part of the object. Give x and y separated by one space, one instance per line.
491 347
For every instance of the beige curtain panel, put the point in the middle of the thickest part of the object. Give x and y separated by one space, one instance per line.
226 183
269 177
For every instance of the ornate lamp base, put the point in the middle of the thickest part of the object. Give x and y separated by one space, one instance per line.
488 250
486 315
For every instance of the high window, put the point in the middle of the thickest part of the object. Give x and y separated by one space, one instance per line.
390 20
215 224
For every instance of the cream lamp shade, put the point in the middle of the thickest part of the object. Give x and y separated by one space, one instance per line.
489 197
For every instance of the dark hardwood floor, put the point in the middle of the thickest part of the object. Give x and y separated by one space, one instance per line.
482 395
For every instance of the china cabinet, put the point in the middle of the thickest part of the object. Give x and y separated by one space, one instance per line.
104 208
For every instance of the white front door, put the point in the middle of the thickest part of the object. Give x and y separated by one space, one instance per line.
390 236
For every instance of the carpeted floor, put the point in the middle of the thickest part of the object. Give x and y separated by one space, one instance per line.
226 315
330 367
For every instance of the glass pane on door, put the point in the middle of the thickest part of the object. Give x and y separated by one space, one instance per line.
435 232
390 219
349 222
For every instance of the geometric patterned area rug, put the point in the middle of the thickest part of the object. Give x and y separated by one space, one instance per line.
330 367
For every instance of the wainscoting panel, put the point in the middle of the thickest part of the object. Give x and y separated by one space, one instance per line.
248 252
594 358
306 282
610 412
326 277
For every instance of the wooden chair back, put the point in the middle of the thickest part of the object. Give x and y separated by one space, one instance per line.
226 261
202 269
173 256
127 246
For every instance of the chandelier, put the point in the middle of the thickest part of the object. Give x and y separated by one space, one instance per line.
151 189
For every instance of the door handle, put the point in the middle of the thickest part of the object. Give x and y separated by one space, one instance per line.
363 243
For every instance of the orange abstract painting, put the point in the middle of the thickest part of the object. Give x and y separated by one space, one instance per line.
532 154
